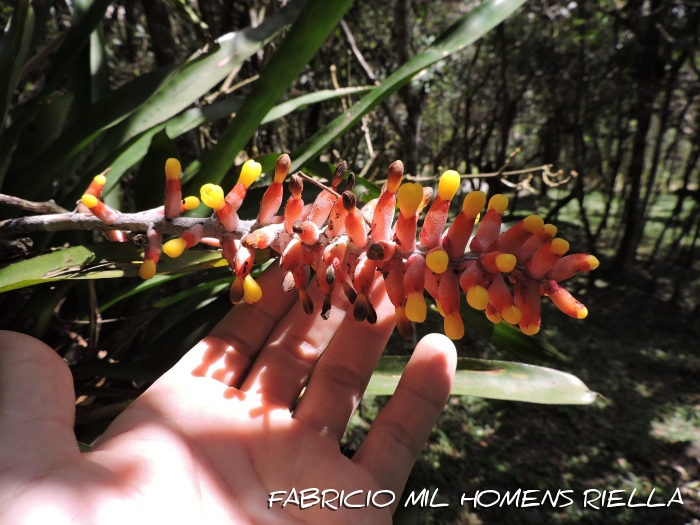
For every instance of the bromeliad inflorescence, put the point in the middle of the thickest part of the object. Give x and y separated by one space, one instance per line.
347 247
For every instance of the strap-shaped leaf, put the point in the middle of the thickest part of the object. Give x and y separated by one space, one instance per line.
308 33
466 30
13 52
494 380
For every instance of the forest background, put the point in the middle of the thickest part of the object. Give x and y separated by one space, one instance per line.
596 104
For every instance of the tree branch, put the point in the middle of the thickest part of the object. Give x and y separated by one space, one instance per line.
37 207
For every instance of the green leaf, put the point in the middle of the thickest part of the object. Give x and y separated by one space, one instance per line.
317 20
77 38
133 289
465 31
494 380
131 153
198 77
503 335
13 52
43 268
109 111
100 261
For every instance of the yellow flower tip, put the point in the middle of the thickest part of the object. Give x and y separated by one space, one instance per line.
494 318
437 261
174 247
89 200
530 329
533 223
559 247
476 219
511 314
252 292
416 309
213 196
173 168
410 196
505 262
499 203
473 204
454 327
191 202
147 270
478 297
100 179
550 229
439 308
593 262
582 313
448 185
250 171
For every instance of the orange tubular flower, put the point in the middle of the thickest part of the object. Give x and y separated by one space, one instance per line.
381 251
229 247
117 236
546 257
410 197
393 273
490 226
354 222
526 295
513 238
570 265
99 209
272 199
448 295
151 255
325 200
174 247
495 262
262 237
363 277
97 184
501 301
546 233
564 300
213 196
414 283
474 284
436 218
173 191
384 211
294 209
307 231
459 232
250 171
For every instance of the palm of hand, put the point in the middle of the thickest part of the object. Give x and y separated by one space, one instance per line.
211 439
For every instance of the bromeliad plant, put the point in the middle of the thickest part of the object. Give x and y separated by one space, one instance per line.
347 246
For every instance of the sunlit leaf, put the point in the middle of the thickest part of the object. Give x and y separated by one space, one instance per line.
494 380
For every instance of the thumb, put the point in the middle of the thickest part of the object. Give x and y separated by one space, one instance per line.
37 404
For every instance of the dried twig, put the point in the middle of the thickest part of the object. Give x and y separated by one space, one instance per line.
37 207
319 184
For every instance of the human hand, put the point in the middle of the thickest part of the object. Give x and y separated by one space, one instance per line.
214 436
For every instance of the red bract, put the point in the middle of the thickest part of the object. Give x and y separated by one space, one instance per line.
348 247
